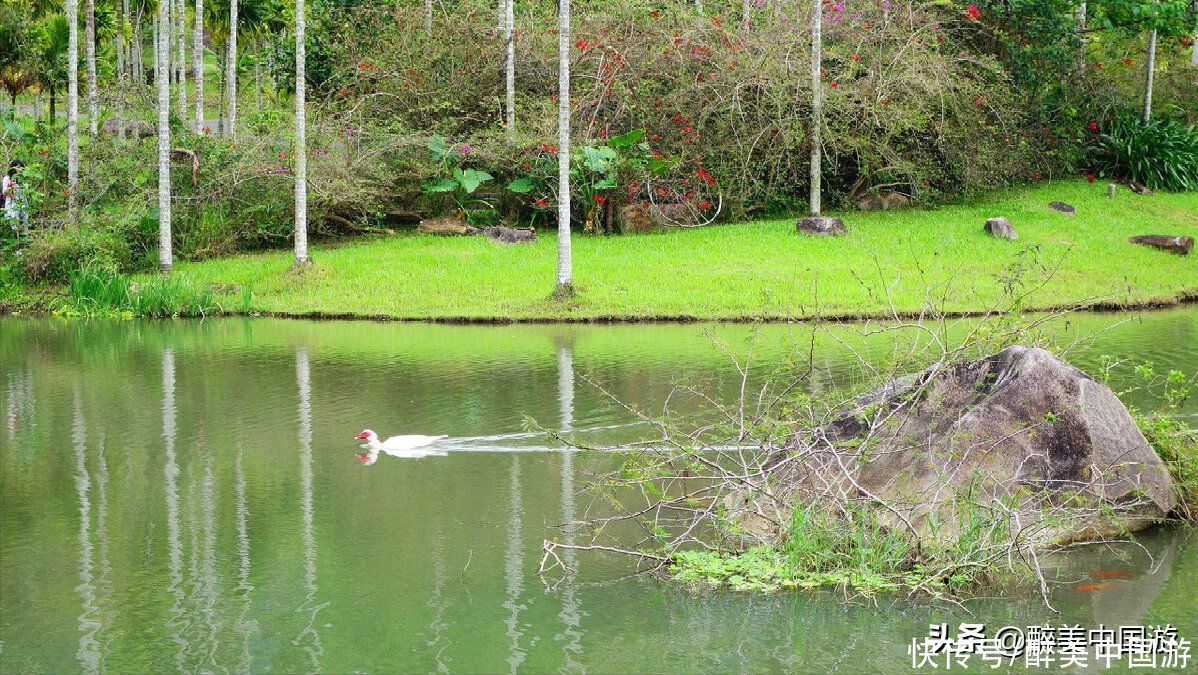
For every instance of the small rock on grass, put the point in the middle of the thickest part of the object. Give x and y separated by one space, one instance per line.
821 226
1001 228
1173 244
1062 207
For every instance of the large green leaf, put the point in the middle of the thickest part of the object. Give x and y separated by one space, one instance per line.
440 185
521 185
438 147
472 178
626 139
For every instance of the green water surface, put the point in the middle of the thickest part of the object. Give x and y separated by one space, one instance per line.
184 495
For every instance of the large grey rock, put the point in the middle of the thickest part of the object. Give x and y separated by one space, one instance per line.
821 225
1021 424
1019 433
1002 228
1166 242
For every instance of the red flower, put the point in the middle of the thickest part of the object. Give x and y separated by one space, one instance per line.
582 44
885 101
1129 61
1090 177
1037 175
705 205
1093 126
834 84
541 202
973 13
600 199
545 147
856 57
981 102
705 177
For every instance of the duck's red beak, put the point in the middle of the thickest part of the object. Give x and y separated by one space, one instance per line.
361 437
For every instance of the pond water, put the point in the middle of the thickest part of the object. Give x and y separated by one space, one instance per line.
184 495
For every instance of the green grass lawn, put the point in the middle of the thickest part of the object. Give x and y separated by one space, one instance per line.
903 260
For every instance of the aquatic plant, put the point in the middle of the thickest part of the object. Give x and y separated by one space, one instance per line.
97 291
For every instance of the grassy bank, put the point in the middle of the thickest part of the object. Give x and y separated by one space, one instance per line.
752 269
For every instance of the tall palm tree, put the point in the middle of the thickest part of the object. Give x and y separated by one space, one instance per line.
51 67
565 268
1151 66
231 66
162 79
93 93
197 62
509 24
122 10
72 14
181 25
817 104
301 144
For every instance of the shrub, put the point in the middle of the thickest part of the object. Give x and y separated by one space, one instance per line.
1162 154
54 254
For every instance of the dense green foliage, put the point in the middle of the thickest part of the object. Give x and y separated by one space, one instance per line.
1161 154
929 99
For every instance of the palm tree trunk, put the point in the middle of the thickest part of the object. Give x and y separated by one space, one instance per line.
565 271
231 65
139 76
181 21
122 11
428 16
1080 17
509 25
197 62
817 104
301 144
93 93
220 96
1150 67
72 10
162 80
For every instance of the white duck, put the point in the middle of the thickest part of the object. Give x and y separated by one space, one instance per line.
404 447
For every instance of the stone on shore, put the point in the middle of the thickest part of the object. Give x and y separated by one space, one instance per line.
1173 244
821 226
511 235
447 225
1064 208
1002 228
